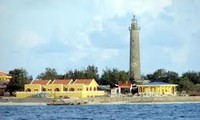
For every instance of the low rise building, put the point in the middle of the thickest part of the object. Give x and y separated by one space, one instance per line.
80 88
157 89
4 80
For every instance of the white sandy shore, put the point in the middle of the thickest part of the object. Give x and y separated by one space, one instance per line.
24 103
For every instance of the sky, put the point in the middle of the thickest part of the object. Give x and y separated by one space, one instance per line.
72 34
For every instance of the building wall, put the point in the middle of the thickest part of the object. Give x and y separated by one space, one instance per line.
74 94
32 88
4 81
54 87
76 87
60 90
26 94
157 90
5 78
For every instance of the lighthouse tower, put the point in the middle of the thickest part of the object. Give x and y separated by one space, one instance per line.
134 50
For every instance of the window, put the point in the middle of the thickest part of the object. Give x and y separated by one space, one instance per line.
90 88
95 88
57 90
71 89
28 90
86 89
79 89
43 89
65 89
35 89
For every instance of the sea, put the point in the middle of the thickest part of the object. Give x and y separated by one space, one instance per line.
164 111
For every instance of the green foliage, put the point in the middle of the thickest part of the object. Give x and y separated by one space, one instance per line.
161 75
19 78
49 74
185 85
193 76
197 88
189 81
113 76
90 73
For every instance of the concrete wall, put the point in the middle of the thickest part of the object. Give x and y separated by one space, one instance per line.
122 100
71 94
144 99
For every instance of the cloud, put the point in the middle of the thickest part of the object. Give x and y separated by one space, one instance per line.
30 39
106 54
122 7
105 11
86 32
3 8
179 56
83 48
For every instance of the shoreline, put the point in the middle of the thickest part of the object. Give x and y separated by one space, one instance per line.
110 103
137 103
105 100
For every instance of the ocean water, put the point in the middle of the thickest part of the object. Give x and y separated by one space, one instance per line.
183 111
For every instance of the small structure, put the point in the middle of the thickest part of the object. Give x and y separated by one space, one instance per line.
113 91
4 80
80 88
157 89
124 87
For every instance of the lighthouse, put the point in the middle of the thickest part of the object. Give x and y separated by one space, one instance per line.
134 50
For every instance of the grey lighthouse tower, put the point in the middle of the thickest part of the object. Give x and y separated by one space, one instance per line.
134 50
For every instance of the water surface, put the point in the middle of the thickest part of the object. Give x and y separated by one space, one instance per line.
183 111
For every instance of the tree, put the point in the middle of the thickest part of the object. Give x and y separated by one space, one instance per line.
161 75
197 88
158 76
92 72
19 78
113 76
185 85
69 74
172 77
193 76
49 74
79 74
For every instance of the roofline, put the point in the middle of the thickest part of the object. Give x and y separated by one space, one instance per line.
74 81
48 82
40 79
70 80
82 79
31 82
53 81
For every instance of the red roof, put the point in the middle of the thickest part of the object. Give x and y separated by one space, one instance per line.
41 82
125 85
83 81
3 73
62 81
